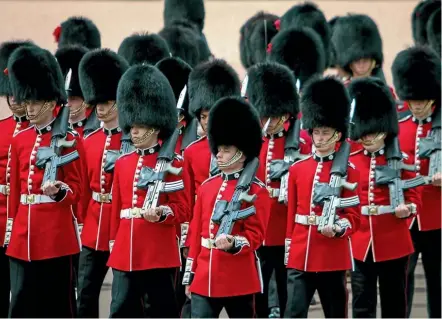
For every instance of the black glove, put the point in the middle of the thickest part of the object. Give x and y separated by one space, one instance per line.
278 168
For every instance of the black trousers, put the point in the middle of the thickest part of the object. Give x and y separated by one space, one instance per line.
129 291
42 288
92 270
182 301
273 292
272 260
392 276
332 290
236 307
5 286
75 266
427 243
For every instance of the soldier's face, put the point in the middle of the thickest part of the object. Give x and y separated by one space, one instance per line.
362 67
225 154
275 123
39 112
75 103
143 136
420 108
107 112
373 142
204 119
323 137
17 109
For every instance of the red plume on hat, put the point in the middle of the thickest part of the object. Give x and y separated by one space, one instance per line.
5 71
278 24
56 33
269 47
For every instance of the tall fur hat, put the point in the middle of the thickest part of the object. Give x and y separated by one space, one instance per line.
69 57
143 48
419 19
190 10
182 43
255 35
79 31
325 103
357 36
272 90
145 97
34 74
417 74
210 81
308 15
301 50
433 31
6 49
247 135
375 108
177 72
99 72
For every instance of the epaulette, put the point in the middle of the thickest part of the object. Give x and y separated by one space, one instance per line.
26 129
178 157
194 142
93 132
403 116
356 152
257 181
301 160
72 131
210 178
351 165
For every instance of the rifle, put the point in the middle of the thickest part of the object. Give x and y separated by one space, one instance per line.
154 179
430 146
190 134
227 213
329 194
92 123
112 155
50 158
390 174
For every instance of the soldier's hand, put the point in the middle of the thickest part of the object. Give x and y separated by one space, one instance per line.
51 188
402 211
436 179
187 291
153 214
330 231
224 242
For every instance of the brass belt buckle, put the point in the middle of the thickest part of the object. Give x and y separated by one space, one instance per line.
136 212
30 199
311 220
104 198
372 210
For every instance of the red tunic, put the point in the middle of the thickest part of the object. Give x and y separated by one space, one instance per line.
310 250
95 232
41 231
273 149
387 235
410 133
9 127
137 244
218 273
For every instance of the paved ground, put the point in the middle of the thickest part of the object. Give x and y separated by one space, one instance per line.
419 304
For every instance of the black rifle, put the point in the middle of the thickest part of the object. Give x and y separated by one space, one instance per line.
92 123
430 146
227 213
112 155
329 194
390 174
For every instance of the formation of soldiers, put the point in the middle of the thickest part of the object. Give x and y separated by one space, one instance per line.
202 193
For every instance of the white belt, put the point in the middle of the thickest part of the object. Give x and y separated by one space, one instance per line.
308 219
4 189
273 192
34 199
207 243
102 197
373 210
130 213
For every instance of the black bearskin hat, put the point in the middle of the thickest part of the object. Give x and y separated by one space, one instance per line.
433 31
272 90
69 58
308 15
78 31
34 74
145 97
177 72
210 81
255 35
417 74
182 43
356 36
6 49
419 19
99 72
375 108
190 10
301 50
325 103
235 112
143 48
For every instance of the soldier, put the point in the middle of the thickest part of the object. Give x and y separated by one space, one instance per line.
375 126
99 71
141 48
42 195
144 250
222 270
325 108
9 127
416 77
419 20
272 91
182 43
78 31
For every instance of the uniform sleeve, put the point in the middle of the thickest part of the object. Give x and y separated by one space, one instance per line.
81 208
252 235
14 189
116 206
291 202
189 189
412 195
349 218
194 241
